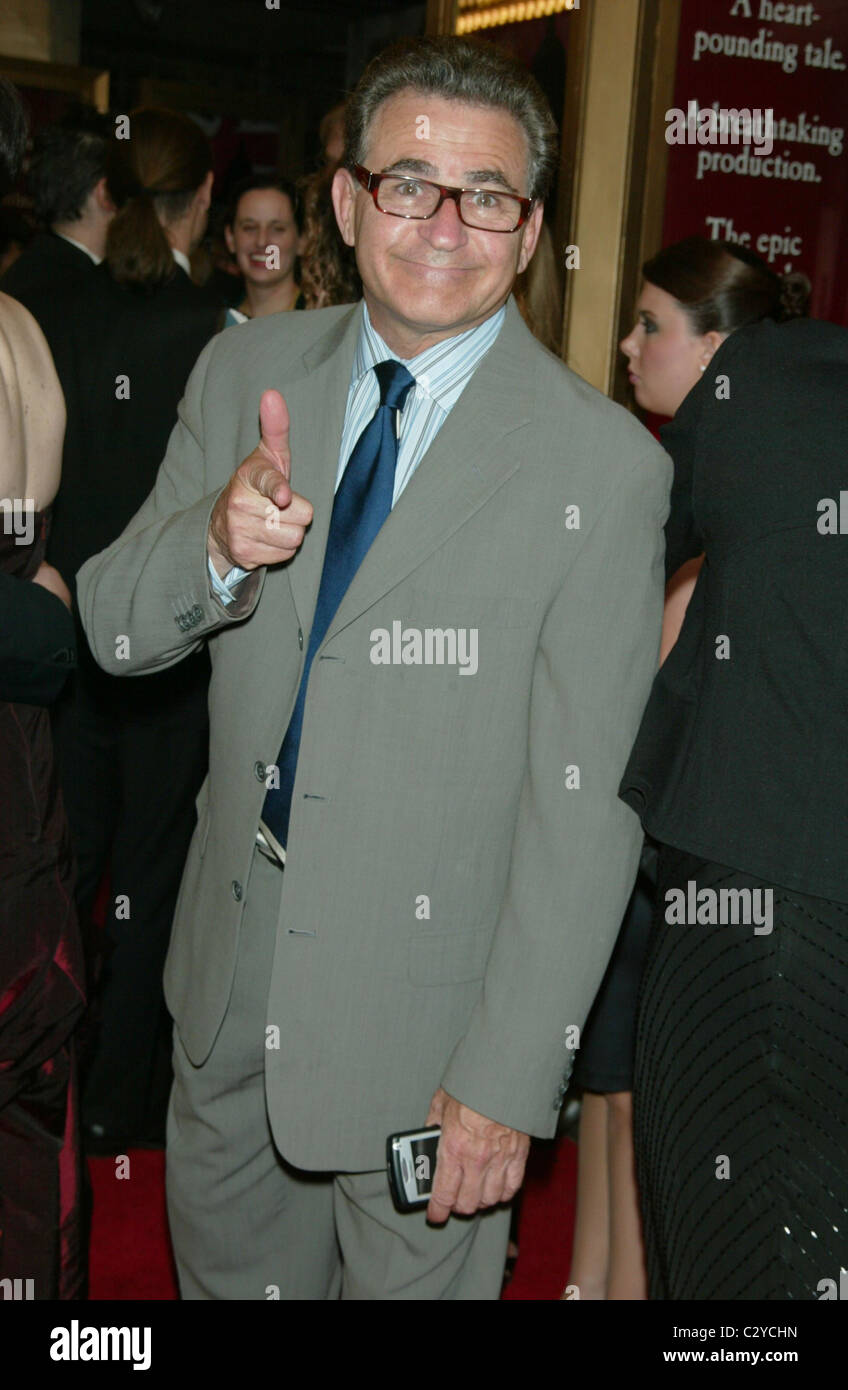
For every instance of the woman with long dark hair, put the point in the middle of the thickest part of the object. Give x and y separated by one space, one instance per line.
740 773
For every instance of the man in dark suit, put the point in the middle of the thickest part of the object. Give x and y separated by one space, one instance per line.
123 351
67 179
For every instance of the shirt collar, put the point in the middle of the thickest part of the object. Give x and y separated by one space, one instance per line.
441 371
80 247
182 260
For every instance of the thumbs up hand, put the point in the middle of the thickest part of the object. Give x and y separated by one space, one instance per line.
258 519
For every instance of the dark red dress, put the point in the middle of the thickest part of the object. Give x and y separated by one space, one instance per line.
41 996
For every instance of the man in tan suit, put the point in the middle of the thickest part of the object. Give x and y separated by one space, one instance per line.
411 927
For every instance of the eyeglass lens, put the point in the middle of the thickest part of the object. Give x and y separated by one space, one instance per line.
497 212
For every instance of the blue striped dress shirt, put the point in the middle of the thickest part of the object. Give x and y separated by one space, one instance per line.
441 374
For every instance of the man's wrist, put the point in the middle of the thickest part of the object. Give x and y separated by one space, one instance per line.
221 562
223 587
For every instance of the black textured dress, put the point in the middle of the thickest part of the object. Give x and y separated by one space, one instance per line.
740 771
741 1086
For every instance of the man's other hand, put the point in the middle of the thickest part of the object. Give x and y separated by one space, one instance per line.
478 1163
258 519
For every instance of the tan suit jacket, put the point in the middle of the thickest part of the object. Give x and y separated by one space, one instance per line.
459 860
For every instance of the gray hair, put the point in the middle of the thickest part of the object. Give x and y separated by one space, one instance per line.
467 70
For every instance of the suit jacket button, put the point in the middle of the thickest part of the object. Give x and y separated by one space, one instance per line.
300 638
259 771
236 887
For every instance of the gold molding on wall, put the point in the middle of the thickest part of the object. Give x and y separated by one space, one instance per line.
88 84
600 199
647 166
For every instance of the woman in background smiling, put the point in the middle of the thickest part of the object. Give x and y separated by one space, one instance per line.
265 216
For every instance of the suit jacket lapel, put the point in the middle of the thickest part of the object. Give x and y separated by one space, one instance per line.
317 402
471 457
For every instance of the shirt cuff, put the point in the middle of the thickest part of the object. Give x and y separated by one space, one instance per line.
223 588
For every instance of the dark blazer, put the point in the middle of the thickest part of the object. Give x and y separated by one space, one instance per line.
48 265
123 357
742 754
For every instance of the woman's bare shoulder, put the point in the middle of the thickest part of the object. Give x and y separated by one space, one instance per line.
32 407
21 330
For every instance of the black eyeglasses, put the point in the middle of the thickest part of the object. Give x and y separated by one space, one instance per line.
405 195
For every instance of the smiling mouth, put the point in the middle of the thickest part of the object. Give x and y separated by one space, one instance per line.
426 265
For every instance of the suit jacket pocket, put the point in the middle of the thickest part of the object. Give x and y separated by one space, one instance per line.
449 957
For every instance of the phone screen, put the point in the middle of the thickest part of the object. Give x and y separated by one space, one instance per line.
423 1159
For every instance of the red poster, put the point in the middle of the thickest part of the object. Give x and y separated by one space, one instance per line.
789 203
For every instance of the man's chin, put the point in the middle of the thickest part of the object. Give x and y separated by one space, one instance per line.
420 311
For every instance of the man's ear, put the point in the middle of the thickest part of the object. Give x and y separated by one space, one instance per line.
530 231
102 197
344 200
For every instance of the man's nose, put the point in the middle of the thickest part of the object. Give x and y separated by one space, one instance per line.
445 228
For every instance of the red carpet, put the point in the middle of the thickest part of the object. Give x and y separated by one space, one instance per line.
546 1227
131 1254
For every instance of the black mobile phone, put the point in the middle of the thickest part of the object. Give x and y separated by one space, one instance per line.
411 1161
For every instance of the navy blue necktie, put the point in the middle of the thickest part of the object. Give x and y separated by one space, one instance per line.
362 503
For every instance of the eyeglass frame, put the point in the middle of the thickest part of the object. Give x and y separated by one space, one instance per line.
371 183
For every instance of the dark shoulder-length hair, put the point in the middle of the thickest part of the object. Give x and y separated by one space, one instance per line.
722 286
152 176
258 182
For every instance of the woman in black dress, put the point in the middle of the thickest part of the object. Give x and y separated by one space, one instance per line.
42 1251
740 772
